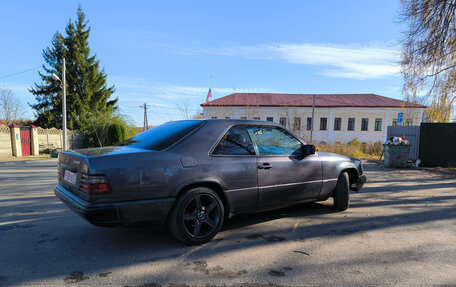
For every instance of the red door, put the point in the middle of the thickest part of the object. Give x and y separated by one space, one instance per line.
26 144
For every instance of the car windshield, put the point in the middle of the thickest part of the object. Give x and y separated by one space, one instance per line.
163 136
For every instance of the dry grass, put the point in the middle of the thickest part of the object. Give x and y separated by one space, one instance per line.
354 148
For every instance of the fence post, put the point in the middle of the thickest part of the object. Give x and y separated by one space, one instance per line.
61 140
47 138
34 138
16 140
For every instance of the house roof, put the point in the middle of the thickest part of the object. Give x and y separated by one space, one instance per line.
305 100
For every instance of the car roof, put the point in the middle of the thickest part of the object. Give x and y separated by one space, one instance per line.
242 121
227 122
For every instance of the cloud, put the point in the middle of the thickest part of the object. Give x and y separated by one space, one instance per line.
354 61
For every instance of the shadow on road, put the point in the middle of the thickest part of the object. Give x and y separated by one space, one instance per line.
49 231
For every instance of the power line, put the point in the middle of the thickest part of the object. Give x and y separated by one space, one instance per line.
150 106
21 72
133 107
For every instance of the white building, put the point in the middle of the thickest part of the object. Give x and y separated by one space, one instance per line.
338 117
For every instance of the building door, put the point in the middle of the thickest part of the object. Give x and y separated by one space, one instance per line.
26 143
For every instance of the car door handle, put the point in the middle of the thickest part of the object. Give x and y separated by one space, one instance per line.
264 166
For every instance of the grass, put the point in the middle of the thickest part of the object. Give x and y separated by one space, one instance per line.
354 148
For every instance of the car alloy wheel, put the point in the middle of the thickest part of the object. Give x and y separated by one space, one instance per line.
197 216
201 216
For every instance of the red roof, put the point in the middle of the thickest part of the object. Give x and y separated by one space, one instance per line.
305 100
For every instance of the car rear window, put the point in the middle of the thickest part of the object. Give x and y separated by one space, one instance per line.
163 136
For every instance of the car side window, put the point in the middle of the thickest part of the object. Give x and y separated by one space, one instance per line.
272 140
235 142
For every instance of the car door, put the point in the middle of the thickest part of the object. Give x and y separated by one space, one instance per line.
235 162
285 174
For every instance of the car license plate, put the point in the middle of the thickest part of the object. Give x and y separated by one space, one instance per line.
70 177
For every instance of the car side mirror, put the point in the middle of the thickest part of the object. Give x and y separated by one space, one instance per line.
308 149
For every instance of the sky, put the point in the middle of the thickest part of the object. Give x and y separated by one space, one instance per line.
164 53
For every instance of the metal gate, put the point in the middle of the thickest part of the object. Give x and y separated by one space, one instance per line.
411 133
438 144
26 143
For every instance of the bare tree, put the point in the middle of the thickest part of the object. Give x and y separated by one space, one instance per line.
250 112
429 55
186 109
294 119
11 107
198 114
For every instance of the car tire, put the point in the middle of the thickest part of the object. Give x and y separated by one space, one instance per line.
197 216
341 192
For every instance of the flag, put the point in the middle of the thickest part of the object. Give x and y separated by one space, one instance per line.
208 95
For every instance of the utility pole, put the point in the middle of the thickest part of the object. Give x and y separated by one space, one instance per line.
146 124
64 122
313 113
63 85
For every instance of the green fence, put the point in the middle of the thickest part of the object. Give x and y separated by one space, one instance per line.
438 145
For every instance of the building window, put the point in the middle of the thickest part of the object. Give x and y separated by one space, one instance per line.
214 118
337 124
378 124
270 119
323 123
256 118
395 122
365 124
309 124
351 124
297 124
283 121
409 122
243 118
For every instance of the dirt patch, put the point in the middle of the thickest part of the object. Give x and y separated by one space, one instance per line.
254 236
271 238
75 277
105 274
151 285
200 266
217 271
276 273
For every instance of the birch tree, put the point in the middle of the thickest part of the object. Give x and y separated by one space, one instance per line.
429 55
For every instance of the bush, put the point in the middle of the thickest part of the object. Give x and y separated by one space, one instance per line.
110 128
354 148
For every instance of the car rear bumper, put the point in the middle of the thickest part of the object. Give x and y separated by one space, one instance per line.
153 211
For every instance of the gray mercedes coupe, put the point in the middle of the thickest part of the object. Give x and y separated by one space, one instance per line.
194 174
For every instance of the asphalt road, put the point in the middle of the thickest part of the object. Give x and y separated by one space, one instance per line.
401 229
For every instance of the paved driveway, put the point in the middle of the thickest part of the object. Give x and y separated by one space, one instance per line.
401 229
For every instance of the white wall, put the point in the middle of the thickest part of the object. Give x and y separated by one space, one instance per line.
330 135
5 140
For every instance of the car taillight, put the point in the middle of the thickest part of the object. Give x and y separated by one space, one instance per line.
94 184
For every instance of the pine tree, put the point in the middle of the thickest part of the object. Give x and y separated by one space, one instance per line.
87 91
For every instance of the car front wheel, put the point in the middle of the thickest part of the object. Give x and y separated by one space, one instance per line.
341 193
197 216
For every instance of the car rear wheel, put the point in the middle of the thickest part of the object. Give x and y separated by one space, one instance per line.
341 193
197 216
